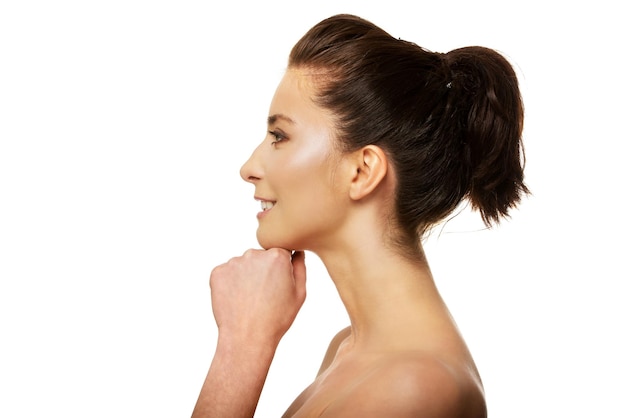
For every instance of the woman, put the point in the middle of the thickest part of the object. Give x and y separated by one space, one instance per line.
371 141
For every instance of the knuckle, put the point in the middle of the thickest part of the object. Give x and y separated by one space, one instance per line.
249 253
216 270
276 253
216 274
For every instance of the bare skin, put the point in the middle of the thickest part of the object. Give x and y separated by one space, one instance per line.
402 355
407 360
240 290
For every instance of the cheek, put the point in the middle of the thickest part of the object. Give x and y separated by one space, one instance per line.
313 198
308 180
308 166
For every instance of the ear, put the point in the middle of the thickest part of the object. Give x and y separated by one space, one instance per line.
369 169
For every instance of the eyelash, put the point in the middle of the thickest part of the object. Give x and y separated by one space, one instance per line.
278 137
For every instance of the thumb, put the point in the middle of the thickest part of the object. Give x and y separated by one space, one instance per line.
299 270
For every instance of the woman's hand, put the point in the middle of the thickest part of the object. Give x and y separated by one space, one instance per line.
257 296
255 299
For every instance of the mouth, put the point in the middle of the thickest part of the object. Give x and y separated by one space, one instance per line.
266 204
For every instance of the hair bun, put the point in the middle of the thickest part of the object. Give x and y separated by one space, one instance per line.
486 87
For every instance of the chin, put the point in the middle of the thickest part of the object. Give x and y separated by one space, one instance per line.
266 242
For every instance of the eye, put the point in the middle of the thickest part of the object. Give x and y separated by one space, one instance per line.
278 137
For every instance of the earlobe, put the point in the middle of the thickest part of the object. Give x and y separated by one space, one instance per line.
371 167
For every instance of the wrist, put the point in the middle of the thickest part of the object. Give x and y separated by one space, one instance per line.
247 345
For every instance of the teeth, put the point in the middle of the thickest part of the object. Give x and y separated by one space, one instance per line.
265 205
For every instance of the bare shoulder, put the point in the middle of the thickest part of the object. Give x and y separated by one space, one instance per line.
333 347
411 385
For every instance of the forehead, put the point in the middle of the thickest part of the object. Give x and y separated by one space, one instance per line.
294 98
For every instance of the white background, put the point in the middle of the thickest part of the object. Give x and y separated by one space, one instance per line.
123 125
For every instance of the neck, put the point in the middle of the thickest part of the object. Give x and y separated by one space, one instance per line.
385 292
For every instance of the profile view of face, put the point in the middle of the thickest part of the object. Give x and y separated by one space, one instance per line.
295 170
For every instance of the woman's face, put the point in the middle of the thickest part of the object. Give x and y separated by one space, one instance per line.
294 171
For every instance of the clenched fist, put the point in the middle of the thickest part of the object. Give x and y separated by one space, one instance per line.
257 296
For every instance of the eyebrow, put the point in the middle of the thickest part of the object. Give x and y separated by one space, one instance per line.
279 116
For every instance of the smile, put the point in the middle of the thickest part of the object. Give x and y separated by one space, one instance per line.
266 205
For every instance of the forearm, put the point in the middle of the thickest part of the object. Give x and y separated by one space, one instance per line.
235 379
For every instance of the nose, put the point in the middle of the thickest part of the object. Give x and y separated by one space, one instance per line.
251 170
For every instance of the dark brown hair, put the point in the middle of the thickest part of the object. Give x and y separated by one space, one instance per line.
450 123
